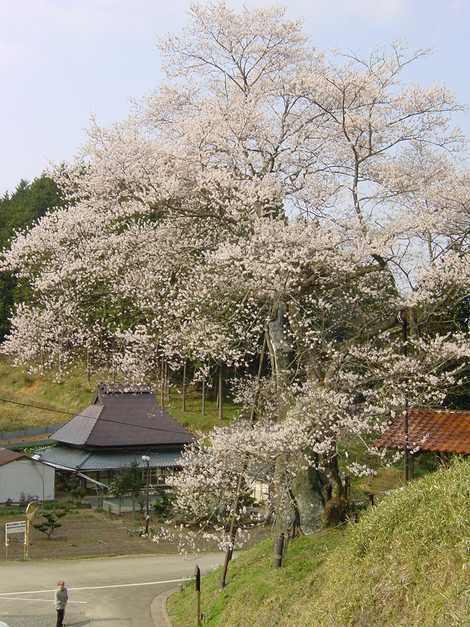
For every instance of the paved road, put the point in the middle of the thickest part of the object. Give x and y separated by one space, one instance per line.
110 592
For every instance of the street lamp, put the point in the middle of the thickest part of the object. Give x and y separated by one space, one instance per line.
146 460
37 457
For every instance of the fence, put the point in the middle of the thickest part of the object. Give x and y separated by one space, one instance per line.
30 431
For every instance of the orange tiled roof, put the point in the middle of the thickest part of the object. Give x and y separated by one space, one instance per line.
446 431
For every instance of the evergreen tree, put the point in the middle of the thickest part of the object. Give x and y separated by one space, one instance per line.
18 211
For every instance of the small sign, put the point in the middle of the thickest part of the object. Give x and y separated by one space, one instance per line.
15 527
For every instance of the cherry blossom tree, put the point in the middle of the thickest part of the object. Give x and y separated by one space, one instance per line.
268 195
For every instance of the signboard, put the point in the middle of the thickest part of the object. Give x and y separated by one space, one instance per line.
11 528
15 527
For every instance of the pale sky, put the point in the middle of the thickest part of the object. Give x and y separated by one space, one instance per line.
62 61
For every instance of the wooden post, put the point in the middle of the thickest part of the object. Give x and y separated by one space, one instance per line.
184 386
221 393
88 366
162 385
279 550
197 582
203 398
347 488
228 557
167 384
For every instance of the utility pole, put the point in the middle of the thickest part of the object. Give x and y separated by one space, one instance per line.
146 460
404 321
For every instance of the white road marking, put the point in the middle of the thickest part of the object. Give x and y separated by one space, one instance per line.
41 600
117 585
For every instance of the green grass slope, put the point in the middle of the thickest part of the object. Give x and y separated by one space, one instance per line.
75 392
72 394
407 562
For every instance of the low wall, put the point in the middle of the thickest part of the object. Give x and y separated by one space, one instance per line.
30 431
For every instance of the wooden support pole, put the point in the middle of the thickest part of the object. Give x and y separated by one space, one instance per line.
203 398
184 387
197 582
221 393
347 488
162 384
228 557
167 384
279 550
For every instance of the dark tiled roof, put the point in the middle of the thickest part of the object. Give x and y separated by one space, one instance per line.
77 430
7 456
445 431
122 417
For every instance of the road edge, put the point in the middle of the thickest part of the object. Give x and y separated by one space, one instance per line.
158 608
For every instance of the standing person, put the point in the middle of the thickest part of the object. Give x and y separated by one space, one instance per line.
61 598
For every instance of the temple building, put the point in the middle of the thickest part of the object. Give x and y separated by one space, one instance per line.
123 424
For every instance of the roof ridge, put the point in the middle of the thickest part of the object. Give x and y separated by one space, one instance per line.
95 420
123 388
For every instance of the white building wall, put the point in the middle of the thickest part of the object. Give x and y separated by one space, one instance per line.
27 478
260 491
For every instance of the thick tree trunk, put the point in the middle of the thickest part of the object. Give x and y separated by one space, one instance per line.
301 508
310 492
279 353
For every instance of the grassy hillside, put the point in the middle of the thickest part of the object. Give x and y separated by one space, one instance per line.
405 563
75 393
71 395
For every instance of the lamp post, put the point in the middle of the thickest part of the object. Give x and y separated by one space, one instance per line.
37 458
146 460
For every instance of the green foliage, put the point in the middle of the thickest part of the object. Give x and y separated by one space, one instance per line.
11 510
128 480
405 563
162 504
18 211
50 521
